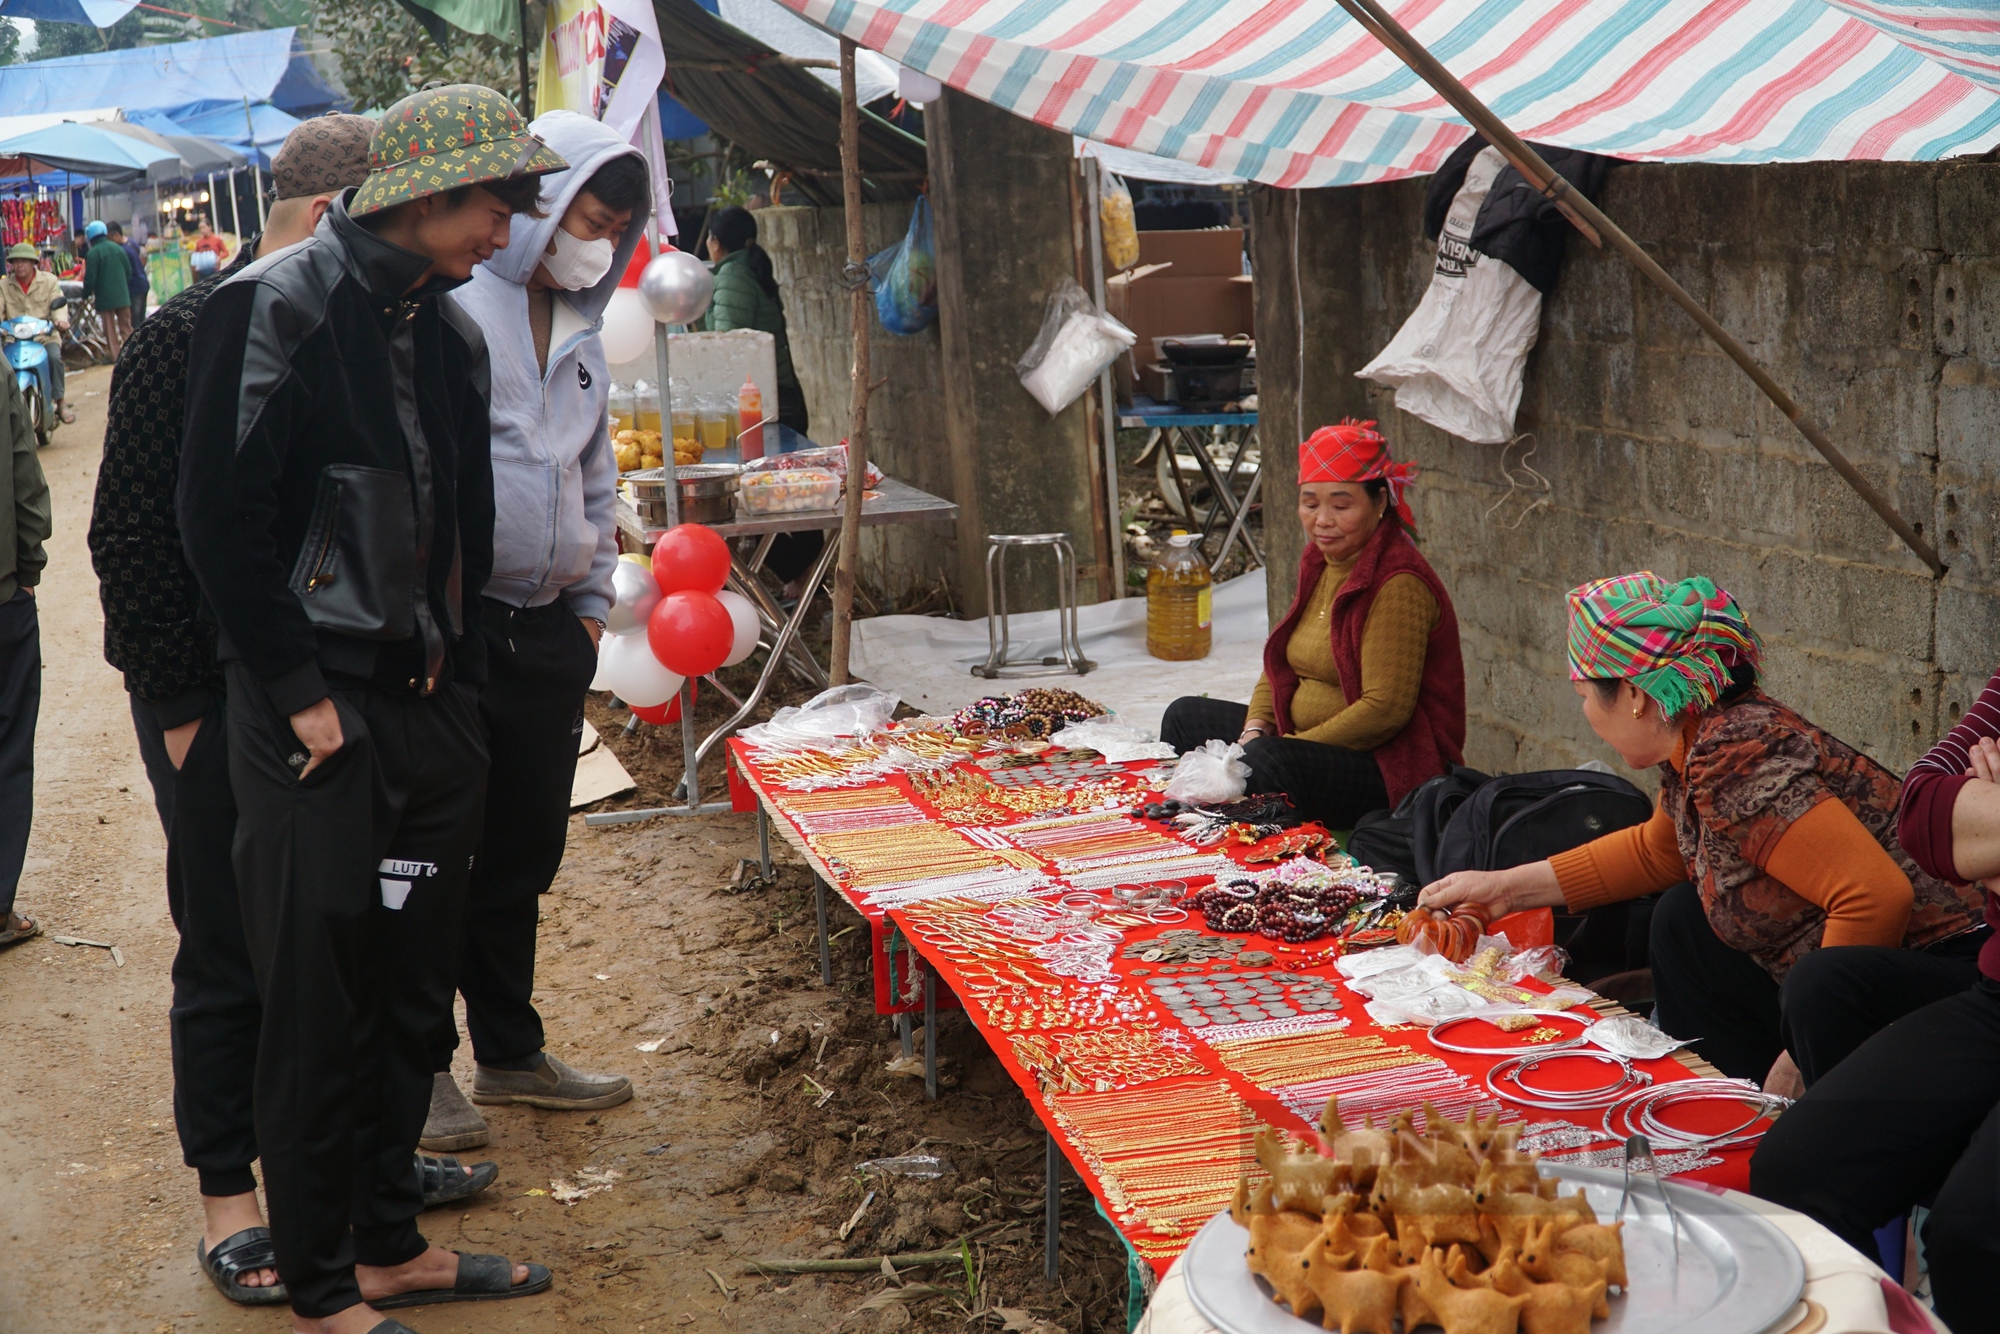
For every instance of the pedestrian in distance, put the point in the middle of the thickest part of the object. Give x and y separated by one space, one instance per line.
107 280
342 535
142 284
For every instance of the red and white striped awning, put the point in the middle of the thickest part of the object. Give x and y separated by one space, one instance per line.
1294 93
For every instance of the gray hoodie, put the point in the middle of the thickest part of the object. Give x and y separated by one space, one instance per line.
554 473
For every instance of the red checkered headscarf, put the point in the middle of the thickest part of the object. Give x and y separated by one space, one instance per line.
1356 452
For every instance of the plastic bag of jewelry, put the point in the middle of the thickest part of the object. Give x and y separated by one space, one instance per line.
1550 959
1112 739
1213 774
1630 1036
1388 959
844 711
1425 1007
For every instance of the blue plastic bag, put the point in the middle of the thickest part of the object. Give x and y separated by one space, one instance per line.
904 277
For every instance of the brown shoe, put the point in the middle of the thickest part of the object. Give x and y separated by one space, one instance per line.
453 1123
555 1086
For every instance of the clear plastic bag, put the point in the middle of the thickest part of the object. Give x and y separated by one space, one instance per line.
1075 343
833 458
831 715
1121 223
1116 742
922 1166
788 491
904 277
1207 777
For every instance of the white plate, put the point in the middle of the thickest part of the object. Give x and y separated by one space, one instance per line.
1738 1274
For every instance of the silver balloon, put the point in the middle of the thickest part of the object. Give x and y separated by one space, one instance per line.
633 593
676 287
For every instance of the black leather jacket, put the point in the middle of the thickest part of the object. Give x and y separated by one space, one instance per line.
336 495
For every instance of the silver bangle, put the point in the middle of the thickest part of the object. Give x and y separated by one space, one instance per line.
1538 1048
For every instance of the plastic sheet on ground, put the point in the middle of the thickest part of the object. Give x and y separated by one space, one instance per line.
928 660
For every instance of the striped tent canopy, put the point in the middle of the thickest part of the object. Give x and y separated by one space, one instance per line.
1294 93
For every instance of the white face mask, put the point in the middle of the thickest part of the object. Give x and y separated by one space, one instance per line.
577 263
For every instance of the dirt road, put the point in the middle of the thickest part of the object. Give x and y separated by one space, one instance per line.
727 1153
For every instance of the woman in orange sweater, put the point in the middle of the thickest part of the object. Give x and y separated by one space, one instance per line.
1771 957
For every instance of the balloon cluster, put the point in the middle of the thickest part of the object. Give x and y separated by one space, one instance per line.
672 621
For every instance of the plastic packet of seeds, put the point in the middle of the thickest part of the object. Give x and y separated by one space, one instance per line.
923 1166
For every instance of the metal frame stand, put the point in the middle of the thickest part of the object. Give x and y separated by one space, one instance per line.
1070 660
903 1032
1051 1209
825 944
764 847
930 1034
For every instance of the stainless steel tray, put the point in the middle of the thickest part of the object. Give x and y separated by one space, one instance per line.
1738 1274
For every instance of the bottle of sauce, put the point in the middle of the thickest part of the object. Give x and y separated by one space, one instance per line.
1178 603
750 415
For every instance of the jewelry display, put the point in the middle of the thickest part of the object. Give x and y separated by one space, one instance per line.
1037 712
1106 1060
1169 1158
1243 997
1639 1114
1505 1080
1549 1038
1274 1063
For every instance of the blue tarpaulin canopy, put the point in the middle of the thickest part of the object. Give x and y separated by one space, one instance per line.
96 13
262 66
224 123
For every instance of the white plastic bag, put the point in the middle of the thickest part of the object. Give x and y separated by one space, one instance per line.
1075 343
1112 739
1210 776
831 715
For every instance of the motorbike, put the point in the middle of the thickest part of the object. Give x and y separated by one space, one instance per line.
30 362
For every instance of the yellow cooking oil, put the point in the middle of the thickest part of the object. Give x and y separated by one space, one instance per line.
1178 612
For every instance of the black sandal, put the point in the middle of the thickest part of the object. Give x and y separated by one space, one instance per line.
239 1254
392 1327
10 934
446 1180
481 1278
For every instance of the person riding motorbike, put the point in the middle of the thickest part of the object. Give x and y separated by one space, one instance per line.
29 289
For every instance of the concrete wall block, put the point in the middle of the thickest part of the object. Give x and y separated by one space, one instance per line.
1755 302
1716 396
1980 303
1760 496
1949 309
1679 483
1968 199
1968 635
1594 298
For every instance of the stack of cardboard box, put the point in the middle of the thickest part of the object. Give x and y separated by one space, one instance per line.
1186 284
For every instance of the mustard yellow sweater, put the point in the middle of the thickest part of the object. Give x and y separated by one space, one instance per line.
1394 641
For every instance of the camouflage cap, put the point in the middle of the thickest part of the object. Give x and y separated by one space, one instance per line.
323 156
443 138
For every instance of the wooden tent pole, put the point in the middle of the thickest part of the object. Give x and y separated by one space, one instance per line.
849 558
1593 223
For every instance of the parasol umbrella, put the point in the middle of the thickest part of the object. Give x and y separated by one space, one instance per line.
194 156
90 150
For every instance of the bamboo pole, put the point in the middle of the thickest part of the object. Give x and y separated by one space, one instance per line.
521 59
1593 223
849 559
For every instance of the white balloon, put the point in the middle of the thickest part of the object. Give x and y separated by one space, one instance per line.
634 674
634 592
628 329
598 681
676 287
743 614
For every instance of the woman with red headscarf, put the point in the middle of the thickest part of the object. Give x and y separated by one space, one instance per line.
1363 692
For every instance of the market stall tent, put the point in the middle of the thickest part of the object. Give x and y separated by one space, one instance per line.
269 66
90 150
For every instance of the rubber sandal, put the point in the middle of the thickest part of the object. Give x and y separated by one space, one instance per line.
481 1278
14 936
446 1181
392 1327
239 1254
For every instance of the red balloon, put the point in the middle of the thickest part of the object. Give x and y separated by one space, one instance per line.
691 558
690 633
659 715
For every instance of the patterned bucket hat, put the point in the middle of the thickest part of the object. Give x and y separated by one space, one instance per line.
443 138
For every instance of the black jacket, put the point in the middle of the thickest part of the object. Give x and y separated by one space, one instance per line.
1517 224
336 494
153 628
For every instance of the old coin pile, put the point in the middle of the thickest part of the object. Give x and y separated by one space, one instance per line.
1243 997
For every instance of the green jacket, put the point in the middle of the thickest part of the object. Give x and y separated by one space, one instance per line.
107 274
25 516
740 303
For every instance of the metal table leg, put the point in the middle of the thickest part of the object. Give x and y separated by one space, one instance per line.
1236 528
764 847
1224 505
825 945
903 1032
814 578
772 618
930 1034
1051 1210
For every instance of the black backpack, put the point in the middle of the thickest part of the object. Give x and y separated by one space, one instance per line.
1467 821
1401 840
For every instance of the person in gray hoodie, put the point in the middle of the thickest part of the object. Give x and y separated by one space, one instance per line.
541 302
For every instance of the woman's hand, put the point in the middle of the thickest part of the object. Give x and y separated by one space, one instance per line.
1984 759
1499 892
1784 1078
1253 730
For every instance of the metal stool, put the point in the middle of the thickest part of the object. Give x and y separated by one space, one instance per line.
1071 659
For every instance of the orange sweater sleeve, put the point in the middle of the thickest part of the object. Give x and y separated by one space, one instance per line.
1624 864
1829 858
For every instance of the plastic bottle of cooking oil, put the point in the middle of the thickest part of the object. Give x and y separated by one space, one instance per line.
1177 602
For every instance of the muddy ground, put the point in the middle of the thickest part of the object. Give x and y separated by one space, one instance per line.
736 1146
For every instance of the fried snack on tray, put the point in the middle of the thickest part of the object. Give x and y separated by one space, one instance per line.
1454 1227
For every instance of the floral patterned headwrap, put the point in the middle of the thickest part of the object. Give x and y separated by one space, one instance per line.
1676 642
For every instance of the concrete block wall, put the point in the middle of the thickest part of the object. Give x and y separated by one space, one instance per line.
808 247
1871 290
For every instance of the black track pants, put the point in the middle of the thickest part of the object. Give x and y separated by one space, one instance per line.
1331 784
353 888
216 1014
1910 1116
539 664
20 705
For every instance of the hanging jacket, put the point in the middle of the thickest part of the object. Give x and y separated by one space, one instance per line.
740 302
335 496
1434 738
555 478
1517 224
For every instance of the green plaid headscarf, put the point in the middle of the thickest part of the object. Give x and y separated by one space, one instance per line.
1676 642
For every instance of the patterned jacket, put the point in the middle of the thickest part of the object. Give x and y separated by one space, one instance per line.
153 628
1754 767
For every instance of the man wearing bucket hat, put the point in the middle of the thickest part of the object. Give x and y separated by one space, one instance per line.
30 289
336 503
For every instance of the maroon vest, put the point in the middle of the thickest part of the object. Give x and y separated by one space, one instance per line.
1435 735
